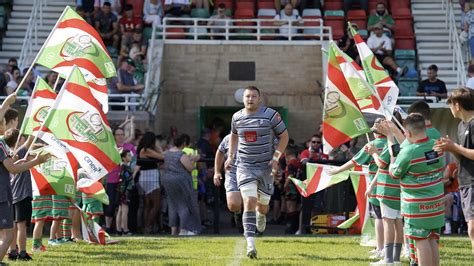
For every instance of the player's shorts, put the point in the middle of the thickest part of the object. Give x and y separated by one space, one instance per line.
374 211
262 176
61 206
42 207
415 233
22 211
291 194
389 213
93 208
467 202
6 219
230 183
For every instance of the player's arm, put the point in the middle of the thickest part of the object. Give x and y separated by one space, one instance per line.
371 186
283 142
16 167
218 162
6 104
372 150
348 165
233 141
445 144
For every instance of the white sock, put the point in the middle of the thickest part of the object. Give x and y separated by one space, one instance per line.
250 241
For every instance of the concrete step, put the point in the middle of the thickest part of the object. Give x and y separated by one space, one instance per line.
23 27
429 45
428 38
439 52
21 34
430 58
48 8
17 47
25 21
46 15
430 25
432 32
441 72
434 12
19 41
49 2
441 65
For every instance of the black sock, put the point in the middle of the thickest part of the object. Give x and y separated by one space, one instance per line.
249 220
397 249
389 253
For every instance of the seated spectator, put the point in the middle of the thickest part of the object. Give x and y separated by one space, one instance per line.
129 24
470 74
51 78
177 8
364 4
221 17
201 4
124 82
136 41
12 62
106 25
115 6
85 15
13 83
280 4
28 85
283 22
432 86
381 46
152 12
381 16
347 44
139 59
314 152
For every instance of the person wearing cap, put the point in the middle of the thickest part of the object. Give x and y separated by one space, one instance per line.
381 46
347 44
124 83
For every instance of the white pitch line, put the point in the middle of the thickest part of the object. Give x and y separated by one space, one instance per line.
238 252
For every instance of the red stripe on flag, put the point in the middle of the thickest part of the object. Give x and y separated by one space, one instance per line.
85 94
93 151
84 26
43 185
358 39
82 63
337 78
98 87
74 165
47 94
374 64
387 79
92 189
314 182
334 136
361 199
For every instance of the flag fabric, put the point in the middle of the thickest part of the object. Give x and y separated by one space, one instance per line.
57 176
349 222
92 187
377 76
74 42
355 78
342 119
360 183
91 231
318 179
77 122
40 102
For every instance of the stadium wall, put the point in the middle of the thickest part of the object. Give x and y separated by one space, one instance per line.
197 75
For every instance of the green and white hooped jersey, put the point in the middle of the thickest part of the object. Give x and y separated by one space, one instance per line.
420 170
388 188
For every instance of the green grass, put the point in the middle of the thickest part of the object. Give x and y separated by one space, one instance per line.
212 250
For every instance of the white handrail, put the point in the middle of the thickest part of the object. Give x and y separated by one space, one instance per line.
460 54
30 41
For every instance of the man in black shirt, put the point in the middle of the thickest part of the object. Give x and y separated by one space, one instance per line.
432 86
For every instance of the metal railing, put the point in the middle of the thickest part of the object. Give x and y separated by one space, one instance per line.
127 101
257 29
30 41
460 52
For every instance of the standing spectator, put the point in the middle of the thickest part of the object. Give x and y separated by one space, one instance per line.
314 152
152 12
469 27
293 169
15 79
149 154
177 8
107 26
279 4
451 194
432 86
218 26
184 218
125 188
381 46
124 83
286 17
363 5
129 24
470 74
382 17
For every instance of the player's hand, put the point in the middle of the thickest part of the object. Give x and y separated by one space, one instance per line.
332 171
217 179
228 163
370 148
274 165
42 158
444 144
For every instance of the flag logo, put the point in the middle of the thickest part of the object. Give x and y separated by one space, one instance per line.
78 46
334 108
86 126
41 114
55 168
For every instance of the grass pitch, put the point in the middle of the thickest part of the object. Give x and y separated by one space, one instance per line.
213 250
